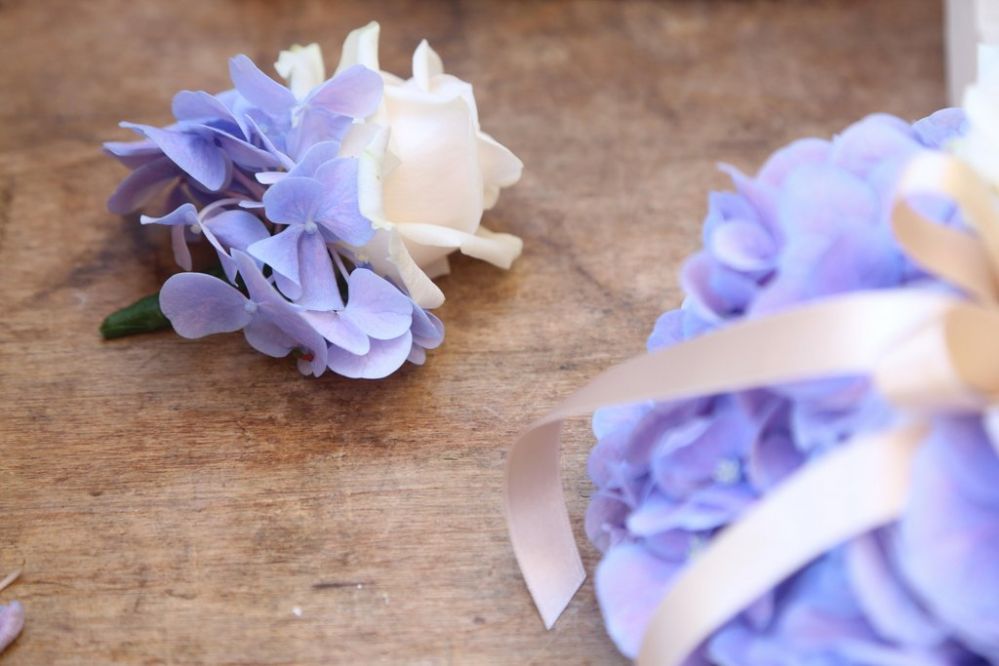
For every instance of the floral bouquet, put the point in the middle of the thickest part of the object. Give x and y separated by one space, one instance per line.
804 469
330 204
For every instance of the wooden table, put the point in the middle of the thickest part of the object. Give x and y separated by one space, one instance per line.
195 502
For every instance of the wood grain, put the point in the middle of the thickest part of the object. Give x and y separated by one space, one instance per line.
172 502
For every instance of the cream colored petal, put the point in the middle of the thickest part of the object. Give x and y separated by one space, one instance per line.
369 145
386 252
497 248
445 86
302 67
366 136
500 168
426 65
359 137
438 180
360 48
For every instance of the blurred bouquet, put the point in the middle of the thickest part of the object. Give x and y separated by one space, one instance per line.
804 469
330 204
812 224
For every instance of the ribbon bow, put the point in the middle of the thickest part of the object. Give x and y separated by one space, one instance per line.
928 352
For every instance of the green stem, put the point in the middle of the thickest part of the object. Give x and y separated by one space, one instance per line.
143 316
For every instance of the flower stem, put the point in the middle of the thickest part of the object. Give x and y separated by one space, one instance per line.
142 316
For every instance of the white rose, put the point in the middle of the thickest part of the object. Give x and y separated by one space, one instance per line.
427 171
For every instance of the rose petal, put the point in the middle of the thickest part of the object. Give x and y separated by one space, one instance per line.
360 48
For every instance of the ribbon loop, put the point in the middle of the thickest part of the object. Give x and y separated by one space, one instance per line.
937 174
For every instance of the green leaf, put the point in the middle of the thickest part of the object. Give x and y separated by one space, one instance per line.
143 316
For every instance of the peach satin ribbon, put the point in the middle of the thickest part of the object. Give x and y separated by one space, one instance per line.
926 351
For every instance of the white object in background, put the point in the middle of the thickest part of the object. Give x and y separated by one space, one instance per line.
972 34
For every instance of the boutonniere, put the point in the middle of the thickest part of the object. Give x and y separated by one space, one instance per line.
329 204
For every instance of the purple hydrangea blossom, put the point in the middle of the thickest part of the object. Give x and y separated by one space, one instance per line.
11 623
257 173
812 223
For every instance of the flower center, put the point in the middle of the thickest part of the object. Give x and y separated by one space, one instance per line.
310 227
250 307
728 471
196 229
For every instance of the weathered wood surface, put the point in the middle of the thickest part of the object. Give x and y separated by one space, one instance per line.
174 501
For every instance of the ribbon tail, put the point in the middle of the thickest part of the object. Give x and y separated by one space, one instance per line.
857 488
539 522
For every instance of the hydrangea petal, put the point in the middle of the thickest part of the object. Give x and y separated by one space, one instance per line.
281 252
792 156
417 355
867 143
268 338
341 332
817 200
239 151
293 200
316 274
140 186
744 246
133 154
948 543
199 158
339 209
630 583
716 291
197 105
198 305
178 243
376 307
261 291
316 125
428 330
237 229
316 156
11 623
890 608
185 214
355 92
384 358
307 339
604 522
259 88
